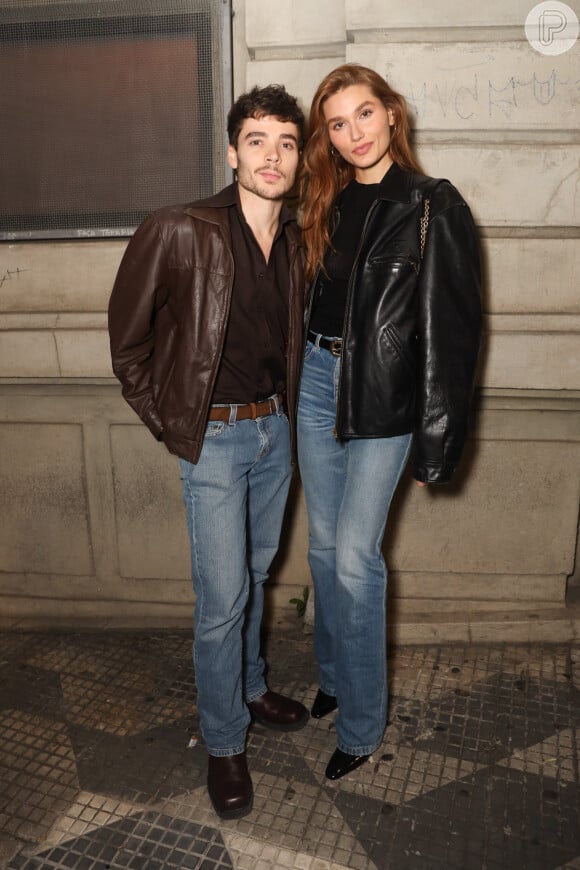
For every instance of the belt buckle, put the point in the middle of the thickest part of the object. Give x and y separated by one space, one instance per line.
336 346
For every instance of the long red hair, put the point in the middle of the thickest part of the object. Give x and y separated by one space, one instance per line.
324 173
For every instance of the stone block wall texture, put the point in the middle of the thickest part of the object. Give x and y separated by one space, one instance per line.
93 522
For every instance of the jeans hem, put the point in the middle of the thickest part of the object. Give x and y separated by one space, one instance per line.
253 696
224 753
359 750
327 691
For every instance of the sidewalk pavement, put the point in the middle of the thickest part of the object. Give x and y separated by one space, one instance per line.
102 765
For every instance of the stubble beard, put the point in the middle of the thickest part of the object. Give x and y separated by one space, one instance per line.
254 184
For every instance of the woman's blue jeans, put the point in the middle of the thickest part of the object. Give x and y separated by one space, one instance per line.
234 498
348 487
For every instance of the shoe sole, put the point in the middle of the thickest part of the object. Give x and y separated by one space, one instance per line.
276 726
238 813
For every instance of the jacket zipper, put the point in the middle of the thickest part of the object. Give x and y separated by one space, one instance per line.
347 306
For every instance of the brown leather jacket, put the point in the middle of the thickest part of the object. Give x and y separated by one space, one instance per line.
168 314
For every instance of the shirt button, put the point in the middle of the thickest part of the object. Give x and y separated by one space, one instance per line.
260 274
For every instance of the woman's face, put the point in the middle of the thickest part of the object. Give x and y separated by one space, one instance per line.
358 127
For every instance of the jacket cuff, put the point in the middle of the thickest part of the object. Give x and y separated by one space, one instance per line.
426 473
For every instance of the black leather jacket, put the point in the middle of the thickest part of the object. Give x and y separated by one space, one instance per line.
412 325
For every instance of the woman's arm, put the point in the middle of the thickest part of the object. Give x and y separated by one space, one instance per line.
449 327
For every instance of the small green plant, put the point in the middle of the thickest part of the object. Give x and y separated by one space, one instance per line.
301 602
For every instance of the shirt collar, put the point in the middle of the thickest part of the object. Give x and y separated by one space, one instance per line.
286 215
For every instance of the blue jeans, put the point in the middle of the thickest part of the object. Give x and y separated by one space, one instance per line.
234 498
348 487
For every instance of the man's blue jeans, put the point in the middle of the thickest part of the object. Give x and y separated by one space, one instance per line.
235 498
348 487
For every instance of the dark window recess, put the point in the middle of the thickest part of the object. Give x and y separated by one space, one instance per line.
107 113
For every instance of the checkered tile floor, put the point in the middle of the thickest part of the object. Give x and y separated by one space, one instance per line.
100 766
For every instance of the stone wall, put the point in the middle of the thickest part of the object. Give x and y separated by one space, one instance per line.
93 524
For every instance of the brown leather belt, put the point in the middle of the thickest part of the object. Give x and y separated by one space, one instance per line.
334 345
251 411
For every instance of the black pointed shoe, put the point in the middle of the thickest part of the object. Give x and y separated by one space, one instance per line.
323 705
342 763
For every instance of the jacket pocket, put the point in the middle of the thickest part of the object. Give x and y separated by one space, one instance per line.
395 261
161 389
391 335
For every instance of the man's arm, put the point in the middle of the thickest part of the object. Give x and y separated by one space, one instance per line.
132 309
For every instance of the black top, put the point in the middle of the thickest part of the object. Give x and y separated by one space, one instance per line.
331 289
253 364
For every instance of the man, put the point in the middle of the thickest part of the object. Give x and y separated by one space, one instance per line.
205 321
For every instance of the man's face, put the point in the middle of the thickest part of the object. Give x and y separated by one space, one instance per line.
266 157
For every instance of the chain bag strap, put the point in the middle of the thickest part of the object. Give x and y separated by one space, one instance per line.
424 224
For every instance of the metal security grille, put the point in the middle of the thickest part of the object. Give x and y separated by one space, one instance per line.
109 110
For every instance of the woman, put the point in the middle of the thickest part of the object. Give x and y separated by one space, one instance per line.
393 336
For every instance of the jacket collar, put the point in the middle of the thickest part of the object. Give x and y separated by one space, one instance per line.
227 198
396 184
224 199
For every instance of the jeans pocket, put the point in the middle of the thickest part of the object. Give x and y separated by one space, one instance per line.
309 350
214 428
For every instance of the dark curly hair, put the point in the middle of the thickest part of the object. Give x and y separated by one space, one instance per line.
272 100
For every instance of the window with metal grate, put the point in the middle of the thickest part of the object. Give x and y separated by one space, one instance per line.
109 110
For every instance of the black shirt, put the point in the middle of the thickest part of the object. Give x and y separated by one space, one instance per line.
253 364
331 289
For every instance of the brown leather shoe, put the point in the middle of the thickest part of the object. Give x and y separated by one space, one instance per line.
229 785
277 712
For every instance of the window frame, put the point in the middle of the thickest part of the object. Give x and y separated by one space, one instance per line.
176 17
